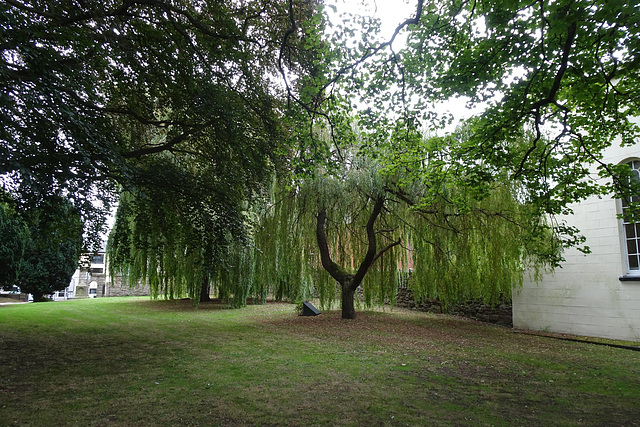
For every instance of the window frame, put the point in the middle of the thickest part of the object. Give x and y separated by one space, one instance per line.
97 258
631 273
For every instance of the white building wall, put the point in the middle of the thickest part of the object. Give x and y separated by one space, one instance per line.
586 296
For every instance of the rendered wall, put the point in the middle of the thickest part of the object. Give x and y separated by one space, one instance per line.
586 296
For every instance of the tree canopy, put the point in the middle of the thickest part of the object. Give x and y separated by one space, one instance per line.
186 205
101 95
565 72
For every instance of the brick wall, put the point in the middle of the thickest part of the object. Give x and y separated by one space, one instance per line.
585 296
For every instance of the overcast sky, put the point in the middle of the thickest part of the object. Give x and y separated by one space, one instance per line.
390 12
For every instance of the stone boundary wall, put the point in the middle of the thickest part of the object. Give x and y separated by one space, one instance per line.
17 297
500 314
117 289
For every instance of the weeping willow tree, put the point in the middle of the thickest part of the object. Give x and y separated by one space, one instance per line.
180 232
363 225
368 225
181 252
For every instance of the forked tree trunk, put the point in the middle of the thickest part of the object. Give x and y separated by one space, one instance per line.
350 282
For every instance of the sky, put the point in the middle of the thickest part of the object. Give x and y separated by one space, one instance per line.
390 12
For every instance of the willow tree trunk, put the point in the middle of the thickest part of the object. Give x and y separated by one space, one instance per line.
348 297
204 289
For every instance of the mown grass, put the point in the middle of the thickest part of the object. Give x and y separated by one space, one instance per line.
127 361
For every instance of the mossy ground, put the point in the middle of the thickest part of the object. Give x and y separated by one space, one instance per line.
132 361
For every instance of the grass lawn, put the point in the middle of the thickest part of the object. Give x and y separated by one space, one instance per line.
136 362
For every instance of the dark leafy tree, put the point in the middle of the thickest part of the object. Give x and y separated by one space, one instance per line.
175 105
14 237
93 94
195 178
53 248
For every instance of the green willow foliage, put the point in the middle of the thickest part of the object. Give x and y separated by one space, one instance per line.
140 252
478 255
283 250
446 253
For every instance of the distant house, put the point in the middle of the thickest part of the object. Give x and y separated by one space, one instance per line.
91 277
597 294
92 280
88 281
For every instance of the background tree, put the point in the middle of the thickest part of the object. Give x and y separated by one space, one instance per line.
53 248
13 239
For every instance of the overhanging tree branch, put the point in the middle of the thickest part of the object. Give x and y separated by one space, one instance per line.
535 109
385 249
